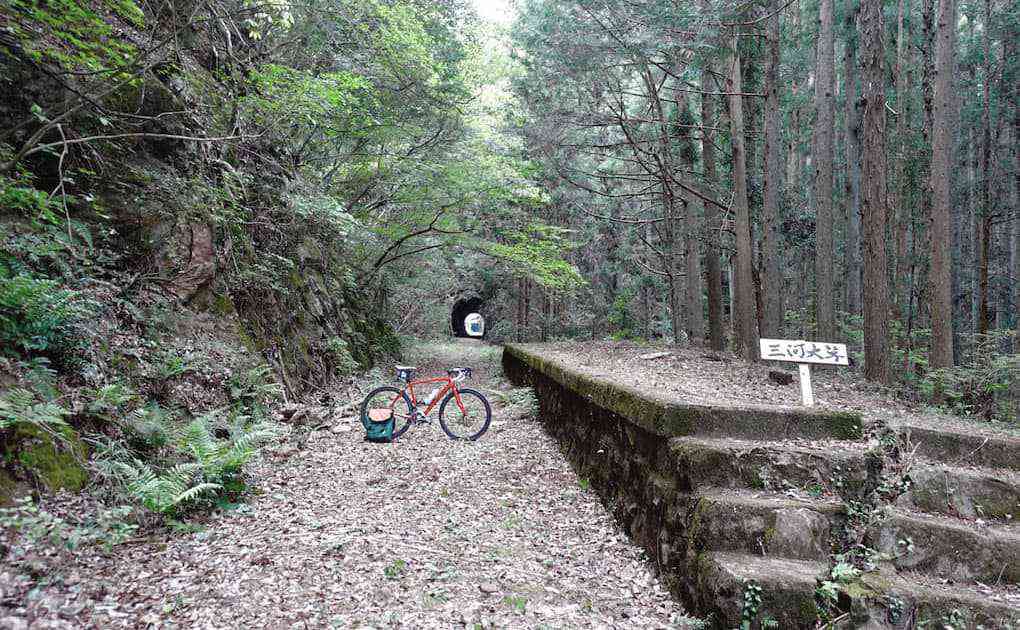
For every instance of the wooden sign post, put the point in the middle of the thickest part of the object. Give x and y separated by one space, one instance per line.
804 353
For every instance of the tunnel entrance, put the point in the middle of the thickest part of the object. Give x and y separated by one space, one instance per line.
461 309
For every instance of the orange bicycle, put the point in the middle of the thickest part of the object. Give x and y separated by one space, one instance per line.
464 413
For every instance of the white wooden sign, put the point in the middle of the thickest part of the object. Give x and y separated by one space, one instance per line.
804 353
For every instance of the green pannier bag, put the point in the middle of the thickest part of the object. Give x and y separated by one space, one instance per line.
379 425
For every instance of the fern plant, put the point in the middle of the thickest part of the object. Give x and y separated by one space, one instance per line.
37 316
164 492
221 460
19 406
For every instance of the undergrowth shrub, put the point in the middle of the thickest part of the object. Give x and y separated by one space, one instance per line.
38 317
201 468
110 527
252 390
980 385
20 406
343 361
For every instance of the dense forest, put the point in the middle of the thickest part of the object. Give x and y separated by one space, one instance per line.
836 171
209 206
220 219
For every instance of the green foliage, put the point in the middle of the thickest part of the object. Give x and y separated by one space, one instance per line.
979 386
72 33
337 98
109 398
620 316
343 362
161 492
517 603
395 569
147 428
40 527
752 605
37 316
538 254
18 196
20 407
252 390
206 466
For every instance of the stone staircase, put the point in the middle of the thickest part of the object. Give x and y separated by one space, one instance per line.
731 500
945 544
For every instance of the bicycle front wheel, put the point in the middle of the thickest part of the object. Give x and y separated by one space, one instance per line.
391 398
468 419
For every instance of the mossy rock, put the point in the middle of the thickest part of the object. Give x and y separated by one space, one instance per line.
54 463
10 489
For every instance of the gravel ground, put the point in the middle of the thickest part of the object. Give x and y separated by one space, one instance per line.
425 533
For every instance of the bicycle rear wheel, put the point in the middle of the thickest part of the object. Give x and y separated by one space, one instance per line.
468 422
391 398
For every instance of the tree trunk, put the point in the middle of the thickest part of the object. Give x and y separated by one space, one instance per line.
986 164
692 257
824 86
923 281
942 136
716 336
903 212
1015 208
744 315
772 320
967 255
852 118
876 289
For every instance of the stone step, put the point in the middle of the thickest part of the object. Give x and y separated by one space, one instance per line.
906 600
877 600
829 465
950 548
762 523
960 443
787 588
977 493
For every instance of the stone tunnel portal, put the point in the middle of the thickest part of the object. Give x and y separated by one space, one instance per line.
461 309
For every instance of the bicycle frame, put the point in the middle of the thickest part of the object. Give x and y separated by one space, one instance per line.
450 384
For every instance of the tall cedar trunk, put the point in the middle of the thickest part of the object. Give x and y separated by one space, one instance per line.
876 287
716 336
745 336
1015 206
986 151
941 298
824 86
692 230
750 106
670 202
928 95
970 243
772 320
852 117
903 213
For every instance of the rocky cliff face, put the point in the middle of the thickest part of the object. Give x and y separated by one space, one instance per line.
186 274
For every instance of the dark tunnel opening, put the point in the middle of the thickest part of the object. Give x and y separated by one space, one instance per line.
461 309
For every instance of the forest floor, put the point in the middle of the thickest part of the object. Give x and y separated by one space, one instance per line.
696 375
344 533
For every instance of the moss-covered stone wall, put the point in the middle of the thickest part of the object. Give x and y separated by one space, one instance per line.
630 446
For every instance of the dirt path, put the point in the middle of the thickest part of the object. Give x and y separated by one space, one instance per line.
423 533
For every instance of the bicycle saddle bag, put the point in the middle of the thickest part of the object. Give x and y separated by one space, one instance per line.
379 425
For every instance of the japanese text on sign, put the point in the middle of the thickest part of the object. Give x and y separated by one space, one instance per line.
804 351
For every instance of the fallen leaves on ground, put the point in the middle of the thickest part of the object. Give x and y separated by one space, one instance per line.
426 532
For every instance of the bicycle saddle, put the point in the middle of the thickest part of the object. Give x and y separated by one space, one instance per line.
405 372
456 371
